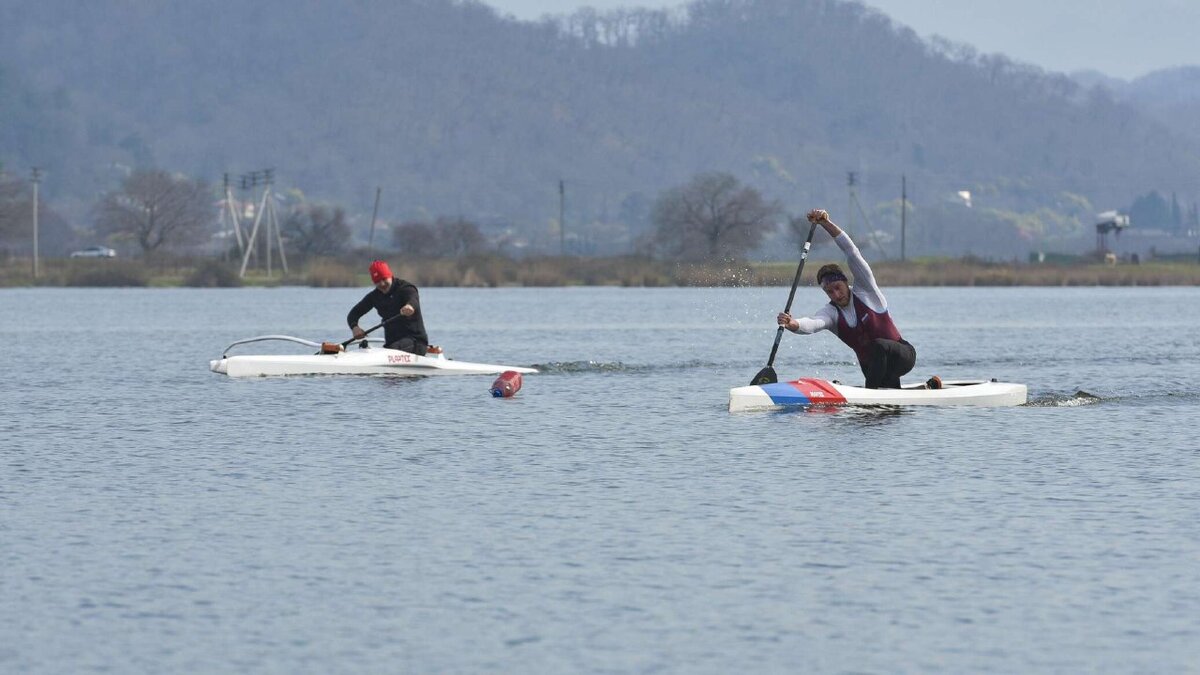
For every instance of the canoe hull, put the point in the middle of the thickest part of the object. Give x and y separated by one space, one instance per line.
815 392
373 361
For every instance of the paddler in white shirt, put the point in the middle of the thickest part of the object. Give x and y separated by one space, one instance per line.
858 315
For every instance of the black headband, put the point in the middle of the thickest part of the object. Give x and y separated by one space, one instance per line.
829 277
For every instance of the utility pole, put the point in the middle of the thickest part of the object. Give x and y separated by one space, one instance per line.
274 222
37 178
374 214
903 213
229 211
562 223
850 201
266 208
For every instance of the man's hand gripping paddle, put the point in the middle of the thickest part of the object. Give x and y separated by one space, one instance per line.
334 348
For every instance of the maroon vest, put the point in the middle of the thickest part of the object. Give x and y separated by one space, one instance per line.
871 326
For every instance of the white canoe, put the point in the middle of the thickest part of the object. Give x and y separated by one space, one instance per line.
368 360
811 391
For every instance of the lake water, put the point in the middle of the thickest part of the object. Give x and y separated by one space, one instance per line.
613 517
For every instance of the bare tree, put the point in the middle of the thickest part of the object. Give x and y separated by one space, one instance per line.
797 230
415 239
55 235
459 237
11 200
446 238
712 217
316 229
157 210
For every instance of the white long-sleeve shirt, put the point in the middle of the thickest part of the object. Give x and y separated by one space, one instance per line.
864 288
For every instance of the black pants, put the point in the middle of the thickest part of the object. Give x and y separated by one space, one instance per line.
889 360
413 346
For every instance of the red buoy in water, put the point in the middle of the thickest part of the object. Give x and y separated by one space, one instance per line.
508 384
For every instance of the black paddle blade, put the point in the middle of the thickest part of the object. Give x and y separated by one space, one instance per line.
765 376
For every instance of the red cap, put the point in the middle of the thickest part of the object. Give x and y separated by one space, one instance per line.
379 271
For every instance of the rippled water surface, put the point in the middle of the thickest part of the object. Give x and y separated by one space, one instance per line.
613 517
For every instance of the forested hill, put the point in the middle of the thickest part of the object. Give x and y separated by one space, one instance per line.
456 110
1172 95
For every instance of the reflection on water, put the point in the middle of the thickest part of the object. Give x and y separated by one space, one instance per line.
862 415
875 415
393 383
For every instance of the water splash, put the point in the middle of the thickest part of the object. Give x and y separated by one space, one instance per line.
1079 398
576 367
566 367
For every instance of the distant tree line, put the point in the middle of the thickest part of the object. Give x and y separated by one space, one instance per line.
1153 210
711 217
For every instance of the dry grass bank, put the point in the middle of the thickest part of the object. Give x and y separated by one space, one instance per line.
975 273
498 271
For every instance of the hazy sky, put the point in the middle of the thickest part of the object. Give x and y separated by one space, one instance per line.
1122 38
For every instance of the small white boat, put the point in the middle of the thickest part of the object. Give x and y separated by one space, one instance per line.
365 360
813 392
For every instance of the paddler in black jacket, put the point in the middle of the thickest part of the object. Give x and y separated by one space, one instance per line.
393 298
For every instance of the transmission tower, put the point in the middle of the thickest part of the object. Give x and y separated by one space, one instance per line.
265 212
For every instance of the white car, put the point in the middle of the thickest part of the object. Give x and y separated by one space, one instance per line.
95 252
